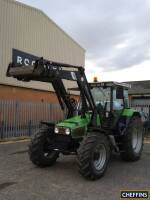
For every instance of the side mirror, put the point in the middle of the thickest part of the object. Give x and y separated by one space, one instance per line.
119 93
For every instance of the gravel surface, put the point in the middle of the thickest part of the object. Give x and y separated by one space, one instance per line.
21 180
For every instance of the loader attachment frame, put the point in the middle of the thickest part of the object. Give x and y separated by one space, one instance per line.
54 73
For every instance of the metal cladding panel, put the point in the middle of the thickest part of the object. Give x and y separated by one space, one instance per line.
30 30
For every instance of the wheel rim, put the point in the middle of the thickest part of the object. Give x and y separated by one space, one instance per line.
46 152
49 154
137 140
99 157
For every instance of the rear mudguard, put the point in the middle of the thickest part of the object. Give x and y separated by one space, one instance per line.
124 120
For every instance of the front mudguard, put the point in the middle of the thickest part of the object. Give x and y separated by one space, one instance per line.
47 124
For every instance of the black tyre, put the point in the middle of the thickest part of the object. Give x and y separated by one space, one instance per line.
38 151
132 142
93 156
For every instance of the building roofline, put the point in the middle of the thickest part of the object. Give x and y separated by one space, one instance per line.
137 81
46 16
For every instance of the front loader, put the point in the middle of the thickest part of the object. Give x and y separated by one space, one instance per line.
99 123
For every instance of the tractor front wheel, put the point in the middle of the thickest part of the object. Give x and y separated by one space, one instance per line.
93 156
39 153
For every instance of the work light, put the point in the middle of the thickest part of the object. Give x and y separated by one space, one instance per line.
56 130
67 131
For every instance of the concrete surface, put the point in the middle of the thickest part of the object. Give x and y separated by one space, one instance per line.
21 180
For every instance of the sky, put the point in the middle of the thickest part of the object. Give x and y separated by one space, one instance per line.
115 34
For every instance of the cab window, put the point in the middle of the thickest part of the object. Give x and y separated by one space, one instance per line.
117 103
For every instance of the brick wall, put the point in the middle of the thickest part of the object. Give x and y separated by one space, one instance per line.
25 94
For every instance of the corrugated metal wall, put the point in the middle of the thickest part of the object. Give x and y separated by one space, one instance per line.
140 101
30 30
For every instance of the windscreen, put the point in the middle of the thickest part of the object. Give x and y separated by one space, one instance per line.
101 96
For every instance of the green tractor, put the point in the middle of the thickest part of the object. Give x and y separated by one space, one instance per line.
99 123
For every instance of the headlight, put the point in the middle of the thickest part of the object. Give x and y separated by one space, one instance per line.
67 131
56 130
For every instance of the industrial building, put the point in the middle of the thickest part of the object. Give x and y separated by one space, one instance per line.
26 31
139 93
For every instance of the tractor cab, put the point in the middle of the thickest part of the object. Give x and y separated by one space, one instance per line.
110 95
111 98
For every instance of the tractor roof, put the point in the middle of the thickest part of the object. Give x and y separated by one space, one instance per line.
105 84
109 84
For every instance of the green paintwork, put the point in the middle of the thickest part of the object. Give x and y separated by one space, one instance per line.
74 122
77 125
128 112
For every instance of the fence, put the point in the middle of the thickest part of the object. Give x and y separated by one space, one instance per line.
23 118
142 108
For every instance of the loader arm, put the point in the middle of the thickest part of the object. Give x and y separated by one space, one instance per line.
54 73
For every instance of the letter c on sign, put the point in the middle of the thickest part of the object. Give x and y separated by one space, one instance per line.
124 194
33 62
26 61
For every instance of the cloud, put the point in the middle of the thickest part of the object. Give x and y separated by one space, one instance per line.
115 34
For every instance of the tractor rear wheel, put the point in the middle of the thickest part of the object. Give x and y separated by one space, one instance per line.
39 154
93 156
132 142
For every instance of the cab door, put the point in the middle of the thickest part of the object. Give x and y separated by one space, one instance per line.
118 104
